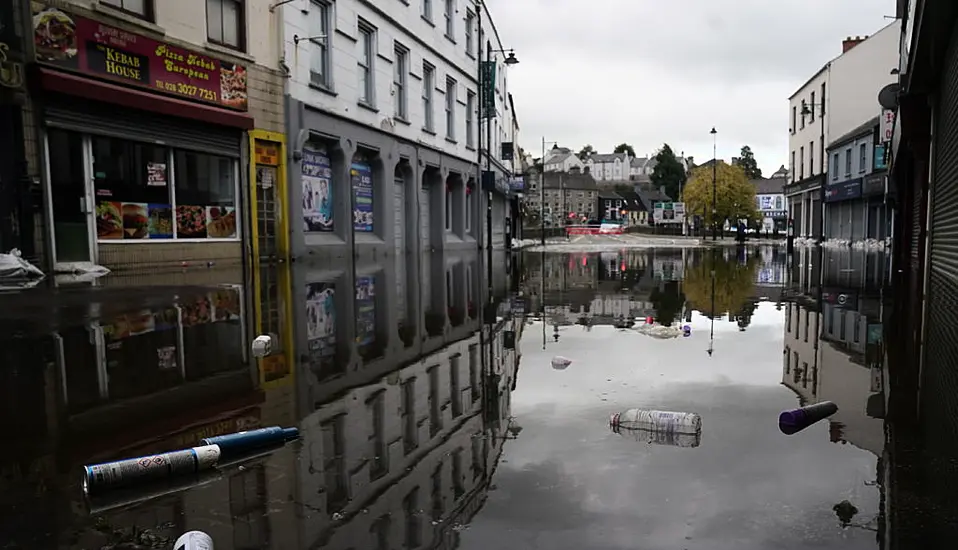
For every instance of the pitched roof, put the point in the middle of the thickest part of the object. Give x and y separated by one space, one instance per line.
639 162
609 157
558 158
569 181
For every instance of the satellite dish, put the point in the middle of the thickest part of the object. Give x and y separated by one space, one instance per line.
888 96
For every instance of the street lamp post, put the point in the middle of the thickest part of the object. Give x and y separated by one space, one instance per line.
542 186
714 178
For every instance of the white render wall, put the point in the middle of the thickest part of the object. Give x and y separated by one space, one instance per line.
800 137
858 76
801 345
397 22
185 20
566 165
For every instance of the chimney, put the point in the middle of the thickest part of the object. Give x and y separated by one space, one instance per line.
587 170
850 42
574 170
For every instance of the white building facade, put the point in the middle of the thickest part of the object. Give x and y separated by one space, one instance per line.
839 97
563 162
609 167
383 117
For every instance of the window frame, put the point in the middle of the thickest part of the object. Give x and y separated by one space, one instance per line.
401 82
241 34
471 119
429 108
449 12
862 157
426 12
367 41
470 33
149 9
324 80
452 95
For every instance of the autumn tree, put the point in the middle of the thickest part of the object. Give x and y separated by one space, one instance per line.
733 284
748 164
624 148
735 196
585 152
668 172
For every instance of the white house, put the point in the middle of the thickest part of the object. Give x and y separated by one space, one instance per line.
563 162
392 88
839 96
609 167
641 168
770 201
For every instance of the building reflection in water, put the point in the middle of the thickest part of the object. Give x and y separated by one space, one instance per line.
402 403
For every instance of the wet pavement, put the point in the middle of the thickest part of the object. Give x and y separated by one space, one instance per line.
432 416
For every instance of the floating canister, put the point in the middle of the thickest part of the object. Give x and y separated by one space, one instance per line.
654 437
244 442
686 331
134 471
795 420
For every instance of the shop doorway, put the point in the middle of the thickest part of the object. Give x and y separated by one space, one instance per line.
68 196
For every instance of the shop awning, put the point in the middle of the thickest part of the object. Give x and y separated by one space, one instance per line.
66 83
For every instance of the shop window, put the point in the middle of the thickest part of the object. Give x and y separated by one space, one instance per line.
317 177
205 196
131 183
225 23
361 176
212 324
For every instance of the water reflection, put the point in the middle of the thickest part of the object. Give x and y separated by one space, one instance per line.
400 391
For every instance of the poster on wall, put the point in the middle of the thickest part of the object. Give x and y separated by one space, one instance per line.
365 310
320 322
317 190
361 176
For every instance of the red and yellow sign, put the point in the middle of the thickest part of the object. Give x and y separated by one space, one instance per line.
82 45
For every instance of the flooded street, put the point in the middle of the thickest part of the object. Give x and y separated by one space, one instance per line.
415 432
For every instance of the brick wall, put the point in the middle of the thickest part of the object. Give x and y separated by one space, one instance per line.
120 257
198 275
266 98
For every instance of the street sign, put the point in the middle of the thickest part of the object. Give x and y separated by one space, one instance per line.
887 125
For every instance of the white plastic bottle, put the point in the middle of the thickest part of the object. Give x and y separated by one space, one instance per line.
657 421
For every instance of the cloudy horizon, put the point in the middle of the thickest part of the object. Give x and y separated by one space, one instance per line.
587 78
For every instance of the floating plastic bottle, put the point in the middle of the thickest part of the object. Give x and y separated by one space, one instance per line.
560 363
262 345
193 540
133 471
657 421
654 437
240 443
795 420
686 331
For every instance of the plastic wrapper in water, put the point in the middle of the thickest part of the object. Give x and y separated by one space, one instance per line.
560 363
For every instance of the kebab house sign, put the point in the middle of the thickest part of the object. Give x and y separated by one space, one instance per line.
82 45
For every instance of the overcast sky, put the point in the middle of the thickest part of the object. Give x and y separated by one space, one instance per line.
647 72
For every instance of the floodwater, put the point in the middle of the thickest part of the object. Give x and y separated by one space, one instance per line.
431 415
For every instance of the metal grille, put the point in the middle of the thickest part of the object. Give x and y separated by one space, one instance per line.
939 399
270 304
266 209
101 119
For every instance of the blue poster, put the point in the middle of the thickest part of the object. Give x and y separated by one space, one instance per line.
317 190
361 175
365 310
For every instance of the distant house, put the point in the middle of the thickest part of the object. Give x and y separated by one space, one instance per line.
564 194
633 209
613 166
610 206
641 168
563 162
770 201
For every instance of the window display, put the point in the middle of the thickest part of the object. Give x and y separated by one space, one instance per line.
147 192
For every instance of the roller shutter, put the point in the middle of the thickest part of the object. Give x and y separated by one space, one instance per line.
940 371
121 122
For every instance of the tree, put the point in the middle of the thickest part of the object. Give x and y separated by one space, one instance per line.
667 302
747 162
733 284
735 196
668 172
585 152
624 148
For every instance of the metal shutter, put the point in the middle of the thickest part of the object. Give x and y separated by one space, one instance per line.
425 208
816 206
833 220
115 121
940 371
858 219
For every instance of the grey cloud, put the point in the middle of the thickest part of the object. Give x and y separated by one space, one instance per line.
647 72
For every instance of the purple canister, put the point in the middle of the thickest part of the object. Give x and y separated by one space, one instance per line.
795 420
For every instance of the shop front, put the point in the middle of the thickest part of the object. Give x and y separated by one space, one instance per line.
805 207
845 211
140 143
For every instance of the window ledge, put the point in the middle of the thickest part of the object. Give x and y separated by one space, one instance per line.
452 140
470 54
229 51
451 39
427 20
367 106
402 120
470 147
325 89
428 131
127 18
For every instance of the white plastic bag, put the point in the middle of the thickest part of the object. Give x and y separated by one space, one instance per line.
13 266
